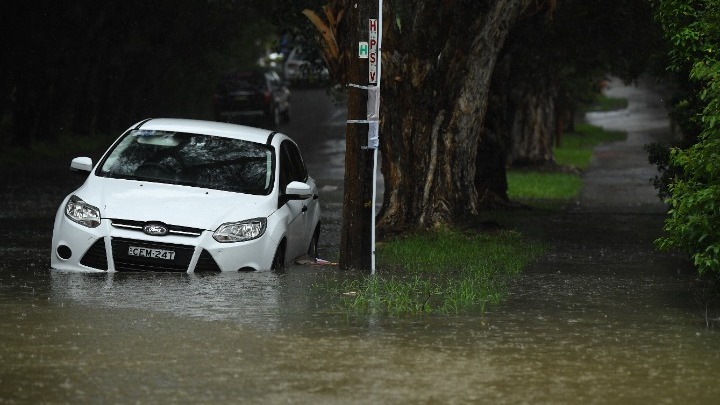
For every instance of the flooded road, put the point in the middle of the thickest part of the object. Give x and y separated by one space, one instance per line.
602 318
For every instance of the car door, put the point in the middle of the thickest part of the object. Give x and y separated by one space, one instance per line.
297 221
311 206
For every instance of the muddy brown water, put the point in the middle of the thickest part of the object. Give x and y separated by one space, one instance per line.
602 318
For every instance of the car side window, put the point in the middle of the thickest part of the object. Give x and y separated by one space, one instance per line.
286 170
299 171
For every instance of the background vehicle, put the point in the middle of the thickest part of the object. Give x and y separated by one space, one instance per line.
188 196
300 70
252 96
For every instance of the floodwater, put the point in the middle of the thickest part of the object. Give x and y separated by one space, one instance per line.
602 318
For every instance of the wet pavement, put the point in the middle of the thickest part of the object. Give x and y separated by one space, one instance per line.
602 318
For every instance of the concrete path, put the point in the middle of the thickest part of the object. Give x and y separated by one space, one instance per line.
619 177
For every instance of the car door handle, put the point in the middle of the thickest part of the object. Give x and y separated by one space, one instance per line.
316 196
304 208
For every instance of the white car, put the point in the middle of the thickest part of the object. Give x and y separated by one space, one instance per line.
189 196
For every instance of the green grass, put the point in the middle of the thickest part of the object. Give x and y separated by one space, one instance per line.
529 185
576 147
438 272
575 152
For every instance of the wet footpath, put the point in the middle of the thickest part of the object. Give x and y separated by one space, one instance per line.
601 318
608 318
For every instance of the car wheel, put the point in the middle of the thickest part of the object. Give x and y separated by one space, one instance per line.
313 248
278 263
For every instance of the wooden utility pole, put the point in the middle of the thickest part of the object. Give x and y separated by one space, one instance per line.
356 235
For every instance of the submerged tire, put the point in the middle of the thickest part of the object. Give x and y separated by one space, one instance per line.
313 248
278 263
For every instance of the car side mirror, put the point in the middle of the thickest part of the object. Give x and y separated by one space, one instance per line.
81 164
297 190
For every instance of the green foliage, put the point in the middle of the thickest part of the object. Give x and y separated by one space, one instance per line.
659 155
439 272
694 222
692 28
693 225
582 41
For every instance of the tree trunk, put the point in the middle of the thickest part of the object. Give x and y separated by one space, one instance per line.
533 126
437 66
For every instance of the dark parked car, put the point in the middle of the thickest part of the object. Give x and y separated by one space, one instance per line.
252 96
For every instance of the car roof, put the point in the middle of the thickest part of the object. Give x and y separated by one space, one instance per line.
223 129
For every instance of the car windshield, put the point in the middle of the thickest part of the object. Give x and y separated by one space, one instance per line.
192 160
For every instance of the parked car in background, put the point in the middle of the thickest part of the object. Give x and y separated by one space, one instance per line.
299 70
252 96
188 196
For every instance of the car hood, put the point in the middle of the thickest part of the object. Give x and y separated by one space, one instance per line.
172 204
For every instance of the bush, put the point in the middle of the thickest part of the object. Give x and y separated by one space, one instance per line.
694 192
693 224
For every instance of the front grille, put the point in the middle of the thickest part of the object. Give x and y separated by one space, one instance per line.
206 263
96 256
126 262
172 229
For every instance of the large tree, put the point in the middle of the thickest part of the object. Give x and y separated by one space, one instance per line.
438 60
553 63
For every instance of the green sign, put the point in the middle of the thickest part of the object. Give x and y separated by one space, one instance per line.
363 50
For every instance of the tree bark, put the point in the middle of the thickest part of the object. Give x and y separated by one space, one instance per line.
533 127
437 66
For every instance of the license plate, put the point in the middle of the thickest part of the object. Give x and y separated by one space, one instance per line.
151 253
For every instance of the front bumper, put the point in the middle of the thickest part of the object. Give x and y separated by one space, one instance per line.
108 247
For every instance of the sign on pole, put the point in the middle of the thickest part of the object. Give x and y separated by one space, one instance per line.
374 113
372 58
363 50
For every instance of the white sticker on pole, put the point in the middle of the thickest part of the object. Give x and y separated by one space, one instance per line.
372 56
373 116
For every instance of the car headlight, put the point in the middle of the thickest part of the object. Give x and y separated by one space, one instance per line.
240 231
82 213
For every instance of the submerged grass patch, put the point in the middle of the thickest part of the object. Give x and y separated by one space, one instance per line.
439 272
